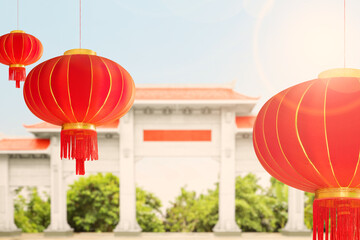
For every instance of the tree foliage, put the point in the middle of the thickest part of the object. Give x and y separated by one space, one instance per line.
256 209
32 215
93 205
148 211
309 199
190 213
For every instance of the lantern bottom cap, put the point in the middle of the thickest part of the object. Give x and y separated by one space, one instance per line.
81 51
16 65
337 193
83 126
340 72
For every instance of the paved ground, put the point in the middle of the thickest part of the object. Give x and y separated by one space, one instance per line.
159 236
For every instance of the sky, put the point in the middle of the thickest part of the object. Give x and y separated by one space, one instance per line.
265 45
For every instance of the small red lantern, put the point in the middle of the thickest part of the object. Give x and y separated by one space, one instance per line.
79 91
18 49
307 136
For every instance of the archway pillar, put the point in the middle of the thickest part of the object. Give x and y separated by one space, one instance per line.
226 223
295 224
58 189
127 223
7 224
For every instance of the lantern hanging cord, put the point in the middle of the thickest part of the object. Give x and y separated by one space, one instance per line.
80 23
344 33
17 15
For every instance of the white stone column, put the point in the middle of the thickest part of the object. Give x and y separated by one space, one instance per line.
58 189
7 224
295 224
226 222
127 223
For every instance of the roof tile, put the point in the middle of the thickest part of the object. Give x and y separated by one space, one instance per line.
24 144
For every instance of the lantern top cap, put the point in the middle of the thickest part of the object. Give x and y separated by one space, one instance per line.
340 72
17 31
80 51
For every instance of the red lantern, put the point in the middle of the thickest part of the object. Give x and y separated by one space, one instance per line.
18 49
307 136
79 91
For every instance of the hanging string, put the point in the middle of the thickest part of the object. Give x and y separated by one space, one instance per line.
80 23
344 33
17 23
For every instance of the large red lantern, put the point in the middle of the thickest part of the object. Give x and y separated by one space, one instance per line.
79 91
308 137
18 49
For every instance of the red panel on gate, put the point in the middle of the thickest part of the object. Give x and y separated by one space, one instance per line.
177 135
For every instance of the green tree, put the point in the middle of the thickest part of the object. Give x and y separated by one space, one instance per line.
279 192
182 216
256 209
309 199
190 213
32 215
148 211
93 205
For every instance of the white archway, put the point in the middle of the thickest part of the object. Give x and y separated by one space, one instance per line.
168 121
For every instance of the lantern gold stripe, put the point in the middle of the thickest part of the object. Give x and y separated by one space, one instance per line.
23 46
25 95
91 87
263 133
122 91
298 136
68 87
7 36
325 132
356 168
261 156
110 88
30 49
278 138
51 91
357 164
40 50
38 87
129 104
12 48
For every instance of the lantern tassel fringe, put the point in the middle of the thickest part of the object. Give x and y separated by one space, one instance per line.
17 74
79 144
337 217
80 167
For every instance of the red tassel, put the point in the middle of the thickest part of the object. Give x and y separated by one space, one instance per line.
17 74
80 167
344 214
79 144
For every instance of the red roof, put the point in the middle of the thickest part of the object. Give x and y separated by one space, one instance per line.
245 122
24 144
189 94
113 124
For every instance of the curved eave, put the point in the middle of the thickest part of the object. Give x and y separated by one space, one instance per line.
244 130
57 130
196 102
20 152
